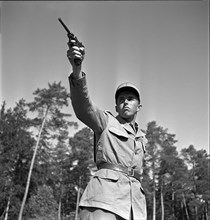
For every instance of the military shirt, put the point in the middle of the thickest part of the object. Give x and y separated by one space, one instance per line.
117 142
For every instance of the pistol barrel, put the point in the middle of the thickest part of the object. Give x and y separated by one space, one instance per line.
70 35
65 27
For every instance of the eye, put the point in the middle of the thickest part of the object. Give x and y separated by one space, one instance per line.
130 98
121 99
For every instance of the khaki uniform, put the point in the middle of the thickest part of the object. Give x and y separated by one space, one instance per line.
117 143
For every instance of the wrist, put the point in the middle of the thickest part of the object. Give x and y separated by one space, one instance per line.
77 73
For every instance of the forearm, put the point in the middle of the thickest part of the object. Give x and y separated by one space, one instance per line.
77 72
79 95
84 108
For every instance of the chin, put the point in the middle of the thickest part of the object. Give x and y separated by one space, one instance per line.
126 117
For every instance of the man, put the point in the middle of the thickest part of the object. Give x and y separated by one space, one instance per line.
115 190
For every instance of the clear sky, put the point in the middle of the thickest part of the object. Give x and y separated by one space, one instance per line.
161 46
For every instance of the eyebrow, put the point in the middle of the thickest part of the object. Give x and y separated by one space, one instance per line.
128 95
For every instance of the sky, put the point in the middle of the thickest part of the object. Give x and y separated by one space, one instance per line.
160 46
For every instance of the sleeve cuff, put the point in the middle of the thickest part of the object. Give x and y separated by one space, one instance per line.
77 82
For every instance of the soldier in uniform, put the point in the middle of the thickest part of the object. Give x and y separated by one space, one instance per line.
115 191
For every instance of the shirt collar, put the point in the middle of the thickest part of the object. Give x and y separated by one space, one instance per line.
127 126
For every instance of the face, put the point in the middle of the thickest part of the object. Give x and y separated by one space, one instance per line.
127 105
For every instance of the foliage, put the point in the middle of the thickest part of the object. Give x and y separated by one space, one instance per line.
15 154
47 103
80 161
43 205
176 185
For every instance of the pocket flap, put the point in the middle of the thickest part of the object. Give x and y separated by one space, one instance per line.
118 132
107 174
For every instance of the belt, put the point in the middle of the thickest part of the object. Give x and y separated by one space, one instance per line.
117 167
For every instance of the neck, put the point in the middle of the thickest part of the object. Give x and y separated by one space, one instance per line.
131 120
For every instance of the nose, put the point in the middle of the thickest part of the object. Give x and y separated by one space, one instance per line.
125 101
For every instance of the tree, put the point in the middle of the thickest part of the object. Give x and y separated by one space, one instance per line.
59 169
199 192
161 162
155 135
43 205
15 152
77 167
47 103
168 157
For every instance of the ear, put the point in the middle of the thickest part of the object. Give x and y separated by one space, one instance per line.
116 108
139 107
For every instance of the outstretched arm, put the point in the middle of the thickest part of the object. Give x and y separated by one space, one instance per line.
85 110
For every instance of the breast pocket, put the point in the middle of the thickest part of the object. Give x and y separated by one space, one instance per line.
142 143
119 133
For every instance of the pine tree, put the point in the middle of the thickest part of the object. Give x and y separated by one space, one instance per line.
48 104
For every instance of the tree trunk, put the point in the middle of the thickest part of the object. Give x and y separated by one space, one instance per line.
153 179
154 206
206 210
185 207
182 214
162 202
154 198
173 214
31 167
7 209
196 213
77 205
59 209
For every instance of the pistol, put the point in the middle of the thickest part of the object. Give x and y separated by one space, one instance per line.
71 36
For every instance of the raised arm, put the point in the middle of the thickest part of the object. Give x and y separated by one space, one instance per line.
85 110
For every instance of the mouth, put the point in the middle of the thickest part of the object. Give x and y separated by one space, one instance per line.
126 109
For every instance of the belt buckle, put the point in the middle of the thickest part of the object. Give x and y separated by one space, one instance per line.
130 171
